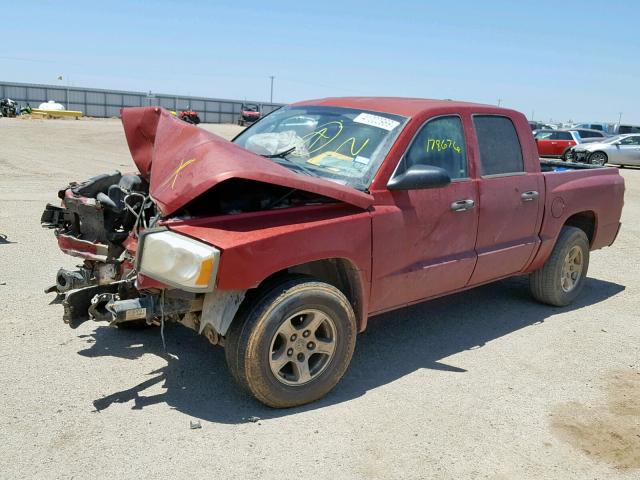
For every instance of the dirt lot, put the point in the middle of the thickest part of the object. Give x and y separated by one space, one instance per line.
483 384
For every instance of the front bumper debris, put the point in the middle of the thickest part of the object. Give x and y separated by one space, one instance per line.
120 302
581 156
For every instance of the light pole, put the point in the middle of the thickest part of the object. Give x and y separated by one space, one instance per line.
271 96
619 117
499 101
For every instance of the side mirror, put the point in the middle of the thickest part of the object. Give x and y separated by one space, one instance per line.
418 177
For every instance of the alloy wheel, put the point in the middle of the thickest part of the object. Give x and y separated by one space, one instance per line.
572 269
302 347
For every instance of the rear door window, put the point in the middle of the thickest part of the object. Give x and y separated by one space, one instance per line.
588 134
500 150
564 136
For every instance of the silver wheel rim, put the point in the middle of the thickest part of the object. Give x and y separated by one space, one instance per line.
598 159
303 347
572 269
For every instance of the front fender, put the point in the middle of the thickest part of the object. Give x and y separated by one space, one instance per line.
257 245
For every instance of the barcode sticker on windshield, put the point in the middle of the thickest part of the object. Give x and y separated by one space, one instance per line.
376 121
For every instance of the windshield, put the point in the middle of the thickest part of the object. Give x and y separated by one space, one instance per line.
340 144
250 108
612 139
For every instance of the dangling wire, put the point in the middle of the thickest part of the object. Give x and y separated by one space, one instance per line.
139 215
164 344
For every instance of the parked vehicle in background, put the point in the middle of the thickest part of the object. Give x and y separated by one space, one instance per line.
190 116
249 113
587 135
556 143
603 127
619 150
281 244
8 107
541 126
622 128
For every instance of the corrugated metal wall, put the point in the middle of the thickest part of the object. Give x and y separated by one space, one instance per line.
107 103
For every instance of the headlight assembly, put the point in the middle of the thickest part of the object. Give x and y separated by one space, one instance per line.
178 260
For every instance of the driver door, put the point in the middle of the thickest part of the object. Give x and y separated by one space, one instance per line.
424 240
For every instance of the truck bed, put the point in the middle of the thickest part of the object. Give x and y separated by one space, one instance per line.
547 165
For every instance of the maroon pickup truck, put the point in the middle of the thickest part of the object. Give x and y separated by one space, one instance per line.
281 244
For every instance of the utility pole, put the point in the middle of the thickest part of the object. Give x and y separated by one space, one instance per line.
271 97
619 117
533 113
499 101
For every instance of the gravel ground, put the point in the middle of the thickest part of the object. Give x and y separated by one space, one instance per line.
482 384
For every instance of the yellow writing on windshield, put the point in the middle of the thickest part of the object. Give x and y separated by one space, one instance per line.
352 147
328 133
320 138
441 144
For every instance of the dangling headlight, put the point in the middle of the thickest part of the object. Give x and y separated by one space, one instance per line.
178 260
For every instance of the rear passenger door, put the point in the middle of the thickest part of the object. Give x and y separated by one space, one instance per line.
510 201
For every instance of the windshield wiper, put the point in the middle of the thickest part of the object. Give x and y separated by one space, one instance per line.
282 154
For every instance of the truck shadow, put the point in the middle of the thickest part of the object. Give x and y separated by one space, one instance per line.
197 382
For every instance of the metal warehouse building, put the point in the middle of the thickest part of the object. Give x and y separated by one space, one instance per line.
95 102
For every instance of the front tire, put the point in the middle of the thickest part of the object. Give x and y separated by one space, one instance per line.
293 344
561 279
598 158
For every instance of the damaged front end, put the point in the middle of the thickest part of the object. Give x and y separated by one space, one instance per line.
135 268
98 221
101 221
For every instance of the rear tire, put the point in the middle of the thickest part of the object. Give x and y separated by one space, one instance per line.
293 344
566 154
561 278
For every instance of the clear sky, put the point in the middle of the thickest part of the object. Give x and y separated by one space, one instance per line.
562 60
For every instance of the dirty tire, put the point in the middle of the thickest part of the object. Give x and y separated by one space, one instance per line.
546 283
566 154
249 342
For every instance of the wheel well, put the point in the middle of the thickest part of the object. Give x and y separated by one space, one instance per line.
585 221
339 272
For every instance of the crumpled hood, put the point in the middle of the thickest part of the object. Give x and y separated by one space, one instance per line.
181 161
591 146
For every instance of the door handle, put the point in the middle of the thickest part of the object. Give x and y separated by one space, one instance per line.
529 196
462 205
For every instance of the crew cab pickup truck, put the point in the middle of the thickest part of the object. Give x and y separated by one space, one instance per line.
280 244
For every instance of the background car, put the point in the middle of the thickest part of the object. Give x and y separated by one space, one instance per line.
556 143
541 126
603 127
588 135
249 113
619 150
621 128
